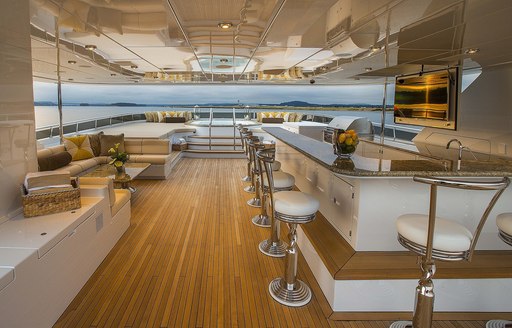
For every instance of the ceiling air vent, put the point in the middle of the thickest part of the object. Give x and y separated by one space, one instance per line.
336 33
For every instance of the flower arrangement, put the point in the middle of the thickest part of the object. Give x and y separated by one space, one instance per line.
345 142
118 157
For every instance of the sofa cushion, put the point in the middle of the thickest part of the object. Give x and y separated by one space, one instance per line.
108 141
149 117
94 140
122 196
73 170
79 147
86 164
170 119
54 161
152 159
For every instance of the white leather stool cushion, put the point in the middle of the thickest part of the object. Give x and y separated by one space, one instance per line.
281 180
504 223
276 166
295 203
449 235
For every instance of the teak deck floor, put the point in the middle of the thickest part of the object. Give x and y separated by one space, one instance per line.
190 258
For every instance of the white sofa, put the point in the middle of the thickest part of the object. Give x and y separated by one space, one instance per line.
157 152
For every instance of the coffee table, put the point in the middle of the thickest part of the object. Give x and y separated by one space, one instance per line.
121 182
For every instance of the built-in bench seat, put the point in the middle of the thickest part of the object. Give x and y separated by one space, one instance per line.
46 260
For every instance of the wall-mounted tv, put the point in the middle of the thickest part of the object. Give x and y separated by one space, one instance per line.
427 99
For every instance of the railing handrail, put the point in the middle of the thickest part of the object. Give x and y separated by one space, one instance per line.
76 124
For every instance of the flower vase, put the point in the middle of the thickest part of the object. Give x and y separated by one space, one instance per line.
120 172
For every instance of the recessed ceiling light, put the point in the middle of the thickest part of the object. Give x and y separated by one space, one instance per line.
72 62
223 60
134 66
90 47
225 25
374 48
368 69
471 51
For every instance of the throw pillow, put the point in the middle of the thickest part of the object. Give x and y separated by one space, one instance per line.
108 141
149 117
55 161
94 139
78 147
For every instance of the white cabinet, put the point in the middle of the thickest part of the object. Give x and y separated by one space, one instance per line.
343 199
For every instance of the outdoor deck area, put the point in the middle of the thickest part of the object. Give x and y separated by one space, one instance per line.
190 258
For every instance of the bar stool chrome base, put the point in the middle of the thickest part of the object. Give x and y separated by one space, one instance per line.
247 178
262 221
401 324
250 189
273 249
295 295
498 324
254 202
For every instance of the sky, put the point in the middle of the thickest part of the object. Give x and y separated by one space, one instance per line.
201 94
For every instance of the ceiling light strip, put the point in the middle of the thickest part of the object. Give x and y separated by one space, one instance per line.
264 35
178 22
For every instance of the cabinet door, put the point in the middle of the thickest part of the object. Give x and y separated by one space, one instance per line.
343 199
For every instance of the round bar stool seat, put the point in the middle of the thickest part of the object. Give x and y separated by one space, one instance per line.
292 207
449 235
504 223
282 181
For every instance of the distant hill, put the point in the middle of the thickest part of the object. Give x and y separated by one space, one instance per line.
44 103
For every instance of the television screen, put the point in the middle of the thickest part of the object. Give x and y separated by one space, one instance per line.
426 99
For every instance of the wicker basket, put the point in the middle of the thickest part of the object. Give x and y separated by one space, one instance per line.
49 203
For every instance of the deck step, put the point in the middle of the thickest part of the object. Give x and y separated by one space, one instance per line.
192 143
213 137
206 153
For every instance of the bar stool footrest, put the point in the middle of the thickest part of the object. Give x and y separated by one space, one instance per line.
300 295
401 324
246 179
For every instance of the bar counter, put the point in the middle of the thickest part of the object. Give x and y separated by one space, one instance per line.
352 246
374 160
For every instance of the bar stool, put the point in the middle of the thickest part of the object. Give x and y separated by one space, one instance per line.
292 207
250 163
253 144
437 238
243 132
282 182
504 223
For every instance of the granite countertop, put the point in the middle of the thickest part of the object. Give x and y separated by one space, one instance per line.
368 161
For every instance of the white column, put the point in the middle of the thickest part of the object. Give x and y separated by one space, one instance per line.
17 134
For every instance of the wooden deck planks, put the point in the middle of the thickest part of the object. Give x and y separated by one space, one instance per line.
190 259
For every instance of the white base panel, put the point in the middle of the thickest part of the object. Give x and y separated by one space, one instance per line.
452 295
